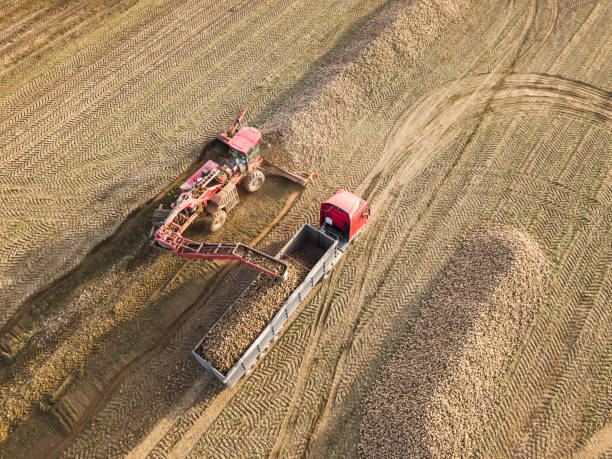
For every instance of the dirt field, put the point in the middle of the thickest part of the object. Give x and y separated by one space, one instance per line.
447 116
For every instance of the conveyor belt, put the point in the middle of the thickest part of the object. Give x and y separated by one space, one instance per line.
187 248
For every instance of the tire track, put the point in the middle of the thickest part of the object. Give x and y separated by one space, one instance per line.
21 24
369 342
427 206
49 15
117 74
17 111
543 29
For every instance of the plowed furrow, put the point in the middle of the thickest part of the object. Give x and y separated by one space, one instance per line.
116 75
30 31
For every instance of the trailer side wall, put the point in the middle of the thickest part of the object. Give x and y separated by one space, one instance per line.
306 238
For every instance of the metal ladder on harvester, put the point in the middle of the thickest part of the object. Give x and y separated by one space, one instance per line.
200 188
187 248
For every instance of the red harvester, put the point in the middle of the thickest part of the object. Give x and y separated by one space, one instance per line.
212 192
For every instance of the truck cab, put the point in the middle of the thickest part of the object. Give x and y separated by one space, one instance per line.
343 216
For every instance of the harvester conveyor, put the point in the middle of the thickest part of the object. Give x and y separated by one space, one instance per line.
342 218
187 248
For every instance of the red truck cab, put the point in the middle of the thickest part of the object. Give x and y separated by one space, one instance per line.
345 213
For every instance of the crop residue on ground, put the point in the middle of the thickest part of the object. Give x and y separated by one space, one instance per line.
433 397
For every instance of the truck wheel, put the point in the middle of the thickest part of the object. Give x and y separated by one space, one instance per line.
254 181
216 221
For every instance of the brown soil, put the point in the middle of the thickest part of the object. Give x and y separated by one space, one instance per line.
445 116
434 396
37 28
600 445
102 121
247 318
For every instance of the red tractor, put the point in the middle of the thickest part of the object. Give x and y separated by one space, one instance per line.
212 190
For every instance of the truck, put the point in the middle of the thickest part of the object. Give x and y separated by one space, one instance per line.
342 218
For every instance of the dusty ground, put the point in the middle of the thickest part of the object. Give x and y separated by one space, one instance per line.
230 338
480 113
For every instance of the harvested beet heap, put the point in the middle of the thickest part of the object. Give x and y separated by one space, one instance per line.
436 395
248 317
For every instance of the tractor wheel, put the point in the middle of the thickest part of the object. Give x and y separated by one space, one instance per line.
216 221
254 181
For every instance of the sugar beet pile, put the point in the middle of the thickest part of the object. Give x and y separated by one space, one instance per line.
434 397
248 317
303 131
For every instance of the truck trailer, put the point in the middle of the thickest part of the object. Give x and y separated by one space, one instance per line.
341 218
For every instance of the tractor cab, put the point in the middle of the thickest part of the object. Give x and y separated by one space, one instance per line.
343 215
243 148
